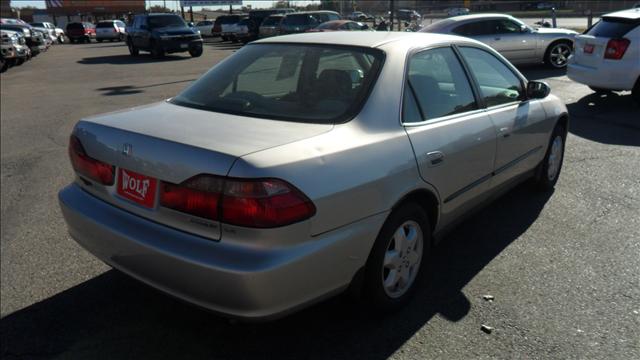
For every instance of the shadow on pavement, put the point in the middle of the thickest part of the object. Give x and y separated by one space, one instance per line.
130 89
219 45
537 72
112 316
126 59
606 118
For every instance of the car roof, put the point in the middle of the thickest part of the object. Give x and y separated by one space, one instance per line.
633 14
372 39
312 12
477 16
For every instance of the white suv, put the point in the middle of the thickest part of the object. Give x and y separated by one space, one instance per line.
607 56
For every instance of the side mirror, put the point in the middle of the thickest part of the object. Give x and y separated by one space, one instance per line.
537 90
191 24
365 27
524 28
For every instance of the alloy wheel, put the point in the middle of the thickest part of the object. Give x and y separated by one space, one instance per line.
555 158
559 55
402 259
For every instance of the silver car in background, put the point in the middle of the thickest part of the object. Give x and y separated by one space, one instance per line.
305 165
513 39
111 30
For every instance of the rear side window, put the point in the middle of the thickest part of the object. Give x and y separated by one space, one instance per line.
498 84
478 28
612 27
75 26
440 85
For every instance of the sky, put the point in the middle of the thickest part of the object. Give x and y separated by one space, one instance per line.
172 4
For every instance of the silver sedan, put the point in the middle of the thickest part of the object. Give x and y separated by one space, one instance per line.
515 40
306 165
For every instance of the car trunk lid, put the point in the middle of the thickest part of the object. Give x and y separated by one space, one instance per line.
170 143
589 50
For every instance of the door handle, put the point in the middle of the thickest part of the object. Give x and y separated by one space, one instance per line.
504 131
435 158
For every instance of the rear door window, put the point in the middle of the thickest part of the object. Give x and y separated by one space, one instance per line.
440 86
614 28
478 28
498 84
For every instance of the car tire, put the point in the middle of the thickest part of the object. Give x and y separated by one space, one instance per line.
133 51
548 170
155 50
635 92
4 65
19 61
224 38
195 52
98 40
397 259
600 90
558 53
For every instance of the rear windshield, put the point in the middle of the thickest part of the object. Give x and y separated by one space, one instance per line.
612 27
272 20
165 21
245 22
229 19
75 26
37 24
105 24
293 82
295 20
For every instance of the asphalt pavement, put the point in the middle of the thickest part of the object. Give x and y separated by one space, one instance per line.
563 268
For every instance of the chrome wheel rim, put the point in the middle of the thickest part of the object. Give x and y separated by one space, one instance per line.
402 259
555 158
559 55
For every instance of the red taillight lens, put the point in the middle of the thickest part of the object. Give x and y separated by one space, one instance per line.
260 203
264 203
95 170
197 196
616 49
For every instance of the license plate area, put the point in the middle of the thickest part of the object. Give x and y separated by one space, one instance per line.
138 188
588 49
184 46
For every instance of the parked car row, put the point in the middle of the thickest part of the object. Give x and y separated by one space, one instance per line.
22 41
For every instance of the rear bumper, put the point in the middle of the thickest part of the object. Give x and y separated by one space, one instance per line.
609 74
249 282
115 35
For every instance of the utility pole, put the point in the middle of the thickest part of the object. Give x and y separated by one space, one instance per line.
191 13
230 9
182 10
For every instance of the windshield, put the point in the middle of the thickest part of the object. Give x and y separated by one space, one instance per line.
229 19
165 21
294 82
105 24
272 20
611 27
298 20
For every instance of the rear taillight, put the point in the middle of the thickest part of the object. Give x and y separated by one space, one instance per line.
89 167
616 49
198 196
256 203
263 203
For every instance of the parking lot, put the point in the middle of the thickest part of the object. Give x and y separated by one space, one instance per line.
563 268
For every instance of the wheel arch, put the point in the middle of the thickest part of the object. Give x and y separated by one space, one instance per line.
427 200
